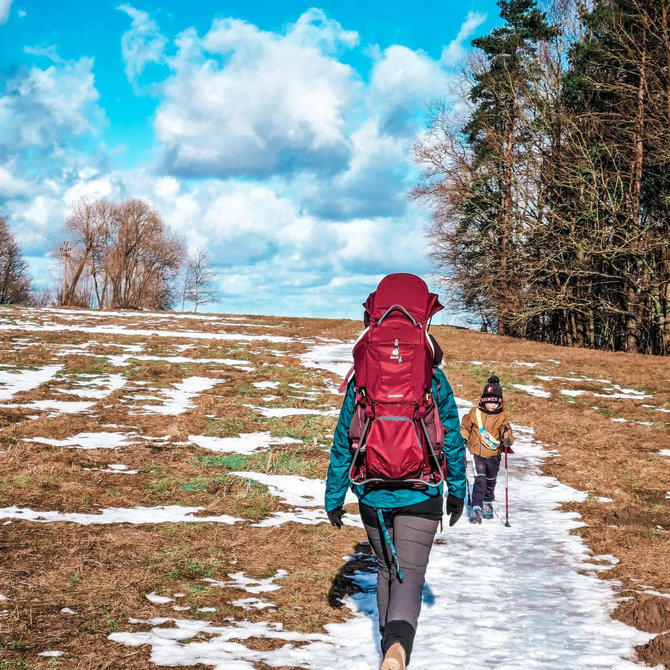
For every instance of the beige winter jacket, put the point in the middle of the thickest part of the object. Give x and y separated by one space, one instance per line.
496 425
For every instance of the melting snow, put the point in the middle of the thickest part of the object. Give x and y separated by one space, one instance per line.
111 329
335 358
158 600
179 398
249 584
293 490
14 381
67 610
87 441
51 654
116 469
252 603
572 393
56 407
280 412
664 452
543 608
537 391
524 363
110 515
123 359
85 386
305 495
266 385
623 393
245 443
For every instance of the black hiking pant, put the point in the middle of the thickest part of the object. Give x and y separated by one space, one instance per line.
412 530
486 477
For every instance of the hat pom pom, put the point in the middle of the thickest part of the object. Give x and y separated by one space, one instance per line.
493 380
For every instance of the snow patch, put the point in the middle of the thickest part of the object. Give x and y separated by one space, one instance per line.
305 495
158 600
111 329
281 412
572 393
245 443
616 391
266 385
180 398
336 358
536 391
249 584
111 515
95 387
87 441
15 381
252 603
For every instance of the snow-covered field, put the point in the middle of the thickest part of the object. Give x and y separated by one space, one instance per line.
527 596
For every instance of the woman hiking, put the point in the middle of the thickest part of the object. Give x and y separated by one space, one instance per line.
390 447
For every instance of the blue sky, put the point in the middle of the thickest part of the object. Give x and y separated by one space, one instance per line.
276 135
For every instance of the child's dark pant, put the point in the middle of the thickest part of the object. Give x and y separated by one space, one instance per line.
486 474
399 603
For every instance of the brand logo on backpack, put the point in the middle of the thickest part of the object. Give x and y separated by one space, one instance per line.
395 354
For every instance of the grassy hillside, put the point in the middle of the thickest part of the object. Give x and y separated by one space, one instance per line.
154 396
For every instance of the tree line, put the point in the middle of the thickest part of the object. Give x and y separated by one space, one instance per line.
118 256
549 176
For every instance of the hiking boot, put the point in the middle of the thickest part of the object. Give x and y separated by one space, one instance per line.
487 512
476 515
394 659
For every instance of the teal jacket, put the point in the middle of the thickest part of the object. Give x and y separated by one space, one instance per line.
454 452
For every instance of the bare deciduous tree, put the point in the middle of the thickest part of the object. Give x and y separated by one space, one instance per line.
15 285
123 255
199 281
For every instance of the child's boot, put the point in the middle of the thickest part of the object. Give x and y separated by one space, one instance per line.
394 658
487 512
476 515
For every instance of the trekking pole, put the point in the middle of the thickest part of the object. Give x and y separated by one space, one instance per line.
506 491
467 483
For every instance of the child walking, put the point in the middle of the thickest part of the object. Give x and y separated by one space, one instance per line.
488 433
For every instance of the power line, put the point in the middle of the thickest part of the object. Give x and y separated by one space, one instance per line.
33 228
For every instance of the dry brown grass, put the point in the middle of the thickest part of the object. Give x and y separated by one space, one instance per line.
104 572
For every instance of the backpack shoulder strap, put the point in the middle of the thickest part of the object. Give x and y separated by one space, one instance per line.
345 381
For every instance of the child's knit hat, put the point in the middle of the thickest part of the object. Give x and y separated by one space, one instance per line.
492 391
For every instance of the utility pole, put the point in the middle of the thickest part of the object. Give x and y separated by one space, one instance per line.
65 250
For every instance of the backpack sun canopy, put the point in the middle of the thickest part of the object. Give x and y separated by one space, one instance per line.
406 290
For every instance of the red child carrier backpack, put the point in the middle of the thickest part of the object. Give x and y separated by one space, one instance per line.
396 434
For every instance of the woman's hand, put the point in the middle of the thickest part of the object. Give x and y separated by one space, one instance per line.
454 509
335 517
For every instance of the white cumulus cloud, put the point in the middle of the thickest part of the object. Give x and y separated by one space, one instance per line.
454 52
141 44
404 81
45 108
243 100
